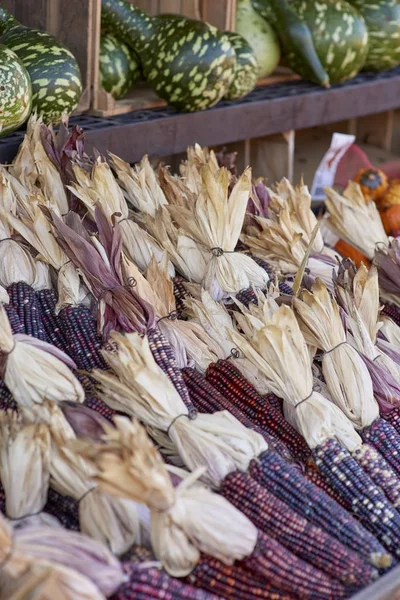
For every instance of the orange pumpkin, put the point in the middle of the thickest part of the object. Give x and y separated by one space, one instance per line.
348 251
392 195
373 183
391 220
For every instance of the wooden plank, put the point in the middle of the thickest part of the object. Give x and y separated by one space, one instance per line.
220 13
376 130
272 156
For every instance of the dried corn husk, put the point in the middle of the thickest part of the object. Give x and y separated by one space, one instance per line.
185 521
355 221
141 389
280 351
34 370
16 262
139 184
49 181
43 277
99 187
23 167
344 370
51 583
215 222
390 330
387 261
85 422
24 465
25 548
197 157
216 321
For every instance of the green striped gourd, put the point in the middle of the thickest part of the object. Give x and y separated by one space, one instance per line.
15 92
260 35
247 69
383 22
119 66
53 69
188 63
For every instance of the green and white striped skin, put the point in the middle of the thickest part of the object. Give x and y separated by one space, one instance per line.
188 63
119 66
383 22
247 68
15 92
339 34
53 69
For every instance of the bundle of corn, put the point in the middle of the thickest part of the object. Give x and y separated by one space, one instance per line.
99 260
345 371
47 300
207 398
181 293
24 466
47 583
141 389
24 300
114 522
64 508
128 466
387 261
355 221
226 378
34 546
34 370
280 350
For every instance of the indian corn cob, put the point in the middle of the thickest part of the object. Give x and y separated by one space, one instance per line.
304 539
384 437
380 472
285 482
14 320
361 495
51 322
393 417
180 293
230 383
24 300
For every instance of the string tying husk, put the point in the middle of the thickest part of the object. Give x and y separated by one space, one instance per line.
215 221
279 350
24 465
34 370
355 221
344 370
139 388
185 521
22 549
51 583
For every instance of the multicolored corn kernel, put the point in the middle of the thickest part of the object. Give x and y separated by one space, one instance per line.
164 357
51 322
64 508
23 298
314 476
380 472
393 417
7 401
247 296
180 293
290 486
393 312
382 436
307 541
100 407
207 399
224 376
362 497
15 322
284 288
79 328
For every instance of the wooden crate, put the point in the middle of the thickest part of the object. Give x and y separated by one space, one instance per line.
220 13
71 22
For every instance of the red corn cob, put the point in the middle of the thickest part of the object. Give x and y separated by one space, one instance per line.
276 402
380 472
164 357
23 298
359 493
290 486
51 322
293 531
230 383
100 407
382 436
207 399
180 293
393 417
79 328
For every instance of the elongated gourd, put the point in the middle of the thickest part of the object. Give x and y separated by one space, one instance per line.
189 63
119 66
15 92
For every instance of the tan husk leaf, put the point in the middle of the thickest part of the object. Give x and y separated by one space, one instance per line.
140 388
279 350
50 181
344 370
16 262
184 521
32 370
24 465
355 221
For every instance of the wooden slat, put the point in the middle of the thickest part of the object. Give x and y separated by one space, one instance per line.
170 6
220 13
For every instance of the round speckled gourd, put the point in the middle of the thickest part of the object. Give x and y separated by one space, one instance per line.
188 63
247 68
53 69
383 22
260 35
119 66
15 92
339 34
